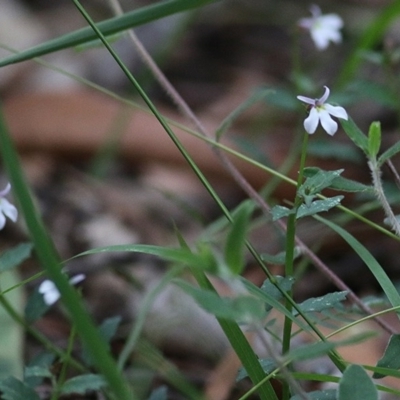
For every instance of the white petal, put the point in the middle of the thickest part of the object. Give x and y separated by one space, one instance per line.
76 279
8 209
49 291
320 40
306 100
306 23
6 190
325 96
2 220
327 122
333 21
311 122
336 111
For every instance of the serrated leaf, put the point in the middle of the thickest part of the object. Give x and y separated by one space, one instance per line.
82 383
235 244
328 394
279 212
15 256
355 134
13 389
389 153
391 356
36 371
355 384
285 283
318 206
318 182
340 183
317 304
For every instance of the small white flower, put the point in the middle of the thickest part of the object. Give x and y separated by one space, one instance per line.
321 112
323 28
50 292
6 208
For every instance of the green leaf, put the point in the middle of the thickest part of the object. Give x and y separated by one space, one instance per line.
374 139
328 394
310 351
82 383
280 258
391 356
13 389
241 308
267 364
318 206
279 212
35 307
389 153
314 184
355 384
285 283
14 257
373 265
254 98
108 27
235 244
317 304
37 372
355 134
340 183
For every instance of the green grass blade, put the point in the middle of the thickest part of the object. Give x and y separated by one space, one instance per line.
48 257
108 27
373 265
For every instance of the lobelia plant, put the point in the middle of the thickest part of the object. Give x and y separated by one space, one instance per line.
269 357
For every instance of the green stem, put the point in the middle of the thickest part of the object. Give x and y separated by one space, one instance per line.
289 259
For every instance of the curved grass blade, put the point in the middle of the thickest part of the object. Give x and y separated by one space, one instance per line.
373 265
107 27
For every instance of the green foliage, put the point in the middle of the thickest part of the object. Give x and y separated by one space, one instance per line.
339 183
329 394
14 257
235 244
83 383
391 356
374 139
355 384
355 134
109 27
14 389
160 393
389 153
318 304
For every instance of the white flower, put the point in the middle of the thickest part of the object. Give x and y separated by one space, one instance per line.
321 112
323 28
50 292
6 208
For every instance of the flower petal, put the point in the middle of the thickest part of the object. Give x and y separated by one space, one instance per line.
49 291
307 100
320 40
325 96
77 279
2 220
311 122
331 21
336 111
8 209
327 122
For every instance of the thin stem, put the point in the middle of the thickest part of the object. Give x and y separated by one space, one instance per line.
289 259
380 194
